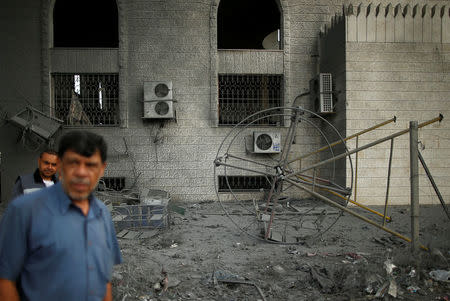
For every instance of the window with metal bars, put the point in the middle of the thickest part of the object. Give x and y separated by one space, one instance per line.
241 95
111 183
86 99
243 183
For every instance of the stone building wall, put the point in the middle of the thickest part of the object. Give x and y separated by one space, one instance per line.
160 41
397 60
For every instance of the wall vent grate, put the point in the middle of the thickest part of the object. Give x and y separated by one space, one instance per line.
243 183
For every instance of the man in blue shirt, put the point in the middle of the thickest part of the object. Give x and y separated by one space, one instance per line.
59 243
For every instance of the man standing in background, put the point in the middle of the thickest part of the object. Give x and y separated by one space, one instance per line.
43 176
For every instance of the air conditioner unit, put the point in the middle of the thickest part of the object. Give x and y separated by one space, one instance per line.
159 109
157 90
266 142
158 102
321 92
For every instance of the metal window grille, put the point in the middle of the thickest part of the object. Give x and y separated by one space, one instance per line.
243 183
241 95
86 99
111 183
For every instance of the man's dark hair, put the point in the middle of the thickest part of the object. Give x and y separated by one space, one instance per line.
83 143
48 151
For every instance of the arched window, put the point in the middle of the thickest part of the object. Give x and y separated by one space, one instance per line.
248 24
85 23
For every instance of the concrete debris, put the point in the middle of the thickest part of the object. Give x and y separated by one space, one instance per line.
393 291
388 288
389 266
322 277
374 282
412 289
382 290
349 269
279 269
440 275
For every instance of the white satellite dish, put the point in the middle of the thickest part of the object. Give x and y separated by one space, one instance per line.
272 40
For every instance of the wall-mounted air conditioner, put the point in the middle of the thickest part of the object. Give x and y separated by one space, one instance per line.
266 142
158 90
321 92
158 102
158 109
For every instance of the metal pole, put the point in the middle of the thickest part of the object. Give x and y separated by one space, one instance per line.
430 177
343 155
343 208
345 139
388 182
356 170
414 177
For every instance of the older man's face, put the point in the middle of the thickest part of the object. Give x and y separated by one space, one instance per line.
47 165
80 174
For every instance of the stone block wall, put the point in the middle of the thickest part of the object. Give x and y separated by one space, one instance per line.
397 63
177 40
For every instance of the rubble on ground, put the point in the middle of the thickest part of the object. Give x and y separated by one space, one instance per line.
204 257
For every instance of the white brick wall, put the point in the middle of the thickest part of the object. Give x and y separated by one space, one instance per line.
400 68
176 40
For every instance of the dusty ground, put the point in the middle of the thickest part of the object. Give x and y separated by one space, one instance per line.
202 249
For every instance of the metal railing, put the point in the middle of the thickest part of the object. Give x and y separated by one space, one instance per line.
86 99
241 95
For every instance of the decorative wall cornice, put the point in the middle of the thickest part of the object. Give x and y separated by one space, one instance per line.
394 23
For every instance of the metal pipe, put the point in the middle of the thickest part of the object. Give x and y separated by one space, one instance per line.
347 138
218 163
289 140
348 153
320 186
332 203
269 225
356 169
430 177
358 204
388 182
414 178
244 282
351 201
251 161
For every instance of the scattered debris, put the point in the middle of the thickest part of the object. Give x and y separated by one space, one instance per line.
412 289
440 275
393 291
77 115
130 234
389 266
321 276
176 209
247 283
312 272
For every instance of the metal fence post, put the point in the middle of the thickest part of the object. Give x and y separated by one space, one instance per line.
414 176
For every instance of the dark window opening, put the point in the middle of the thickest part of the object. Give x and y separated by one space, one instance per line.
245 24
241 95
243 183
111 183
85 23
86 99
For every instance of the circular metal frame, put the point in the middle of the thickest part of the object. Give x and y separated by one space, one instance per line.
281 223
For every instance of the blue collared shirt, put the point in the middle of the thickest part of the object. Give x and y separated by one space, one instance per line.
54 250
